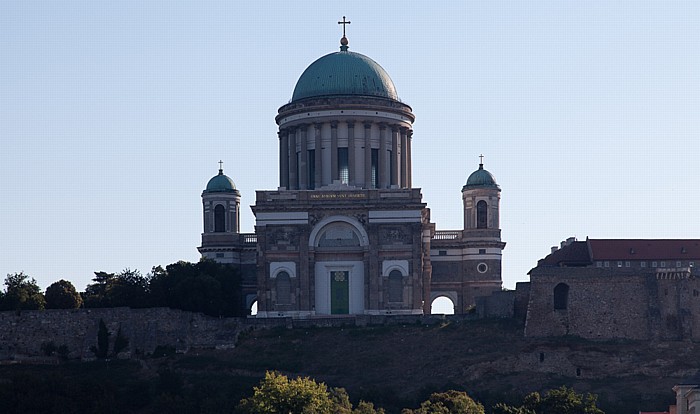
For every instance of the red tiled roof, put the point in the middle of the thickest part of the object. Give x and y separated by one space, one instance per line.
639 249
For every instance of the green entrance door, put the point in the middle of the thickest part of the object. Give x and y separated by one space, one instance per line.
340 292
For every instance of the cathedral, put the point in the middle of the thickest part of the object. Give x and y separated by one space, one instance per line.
345 233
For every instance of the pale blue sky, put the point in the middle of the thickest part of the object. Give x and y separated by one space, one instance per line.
113 115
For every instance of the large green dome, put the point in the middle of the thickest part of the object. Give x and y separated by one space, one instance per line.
344 73
481 178
220 183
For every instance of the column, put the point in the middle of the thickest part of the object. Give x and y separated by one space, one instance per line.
352 167
409 168
334 151
368 155
394 162
318 172
293 168
404 158
284 158
383 170
303 155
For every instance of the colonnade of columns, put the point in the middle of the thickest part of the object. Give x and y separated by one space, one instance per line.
383 162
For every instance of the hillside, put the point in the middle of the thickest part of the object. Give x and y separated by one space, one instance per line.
399 366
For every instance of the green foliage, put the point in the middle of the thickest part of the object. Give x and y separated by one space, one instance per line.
62 295
120 342
102 349
208 287
364 407
128 288
450 402
561 400
21 293
278 394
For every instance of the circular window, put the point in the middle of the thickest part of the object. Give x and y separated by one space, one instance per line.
482 268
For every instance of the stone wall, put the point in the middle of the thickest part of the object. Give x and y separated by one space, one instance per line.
23 333
600 304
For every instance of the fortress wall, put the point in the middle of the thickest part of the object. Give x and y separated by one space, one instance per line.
23 333
600 304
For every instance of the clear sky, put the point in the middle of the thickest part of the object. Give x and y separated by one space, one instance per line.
114 114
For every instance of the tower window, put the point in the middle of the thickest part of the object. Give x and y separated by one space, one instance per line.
343 172
284 288
219 219
395 286
375 168
481 214
561 296
312 169
482 268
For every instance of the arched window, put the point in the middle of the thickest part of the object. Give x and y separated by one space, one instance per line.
561 296
219 219
395 286
442 305
339 235
284 289
254 308
481 214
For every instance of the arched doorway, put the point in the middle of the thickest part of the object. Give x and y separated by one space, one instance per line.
339 243
442 305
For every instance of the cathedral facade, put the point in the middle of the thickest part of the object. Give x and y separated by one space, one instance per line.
345 233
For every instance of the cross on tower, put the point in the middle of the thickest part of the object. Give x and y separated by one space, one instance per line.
221 165
481 159
344 23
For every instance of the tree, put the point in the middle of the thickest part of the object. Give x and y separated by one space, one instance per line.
21 293
128 288
278 394
450 402
561 400
62 295
208 287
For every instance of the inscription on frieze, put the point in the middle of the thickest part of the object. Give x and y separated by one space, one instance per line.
339 196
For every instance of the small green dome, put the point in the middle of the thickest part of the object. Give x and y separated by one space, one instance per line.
344 73
481 178
220 183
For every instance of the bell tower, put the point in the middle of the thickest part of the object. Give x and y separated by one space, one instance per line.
221 210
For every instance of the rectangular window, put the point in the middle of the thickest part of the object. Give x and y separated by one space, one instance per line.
312 169
607 264
654 264
343 172
679 264
442 253
375 168
482 251
663 264
644 264
219 255
619 264
598 264
627 264
691 264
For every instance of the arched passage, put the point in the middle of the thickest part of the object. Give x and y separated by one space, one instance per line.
442 305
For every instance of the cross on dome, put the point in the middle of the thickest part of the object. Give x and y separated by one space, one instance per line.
344 40
221 167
